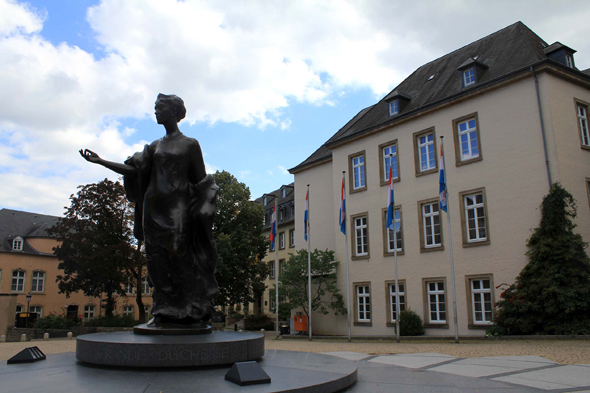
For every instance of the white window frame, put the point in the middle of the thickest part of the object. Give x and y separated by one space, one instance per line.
292 238
33 309
128 311
438 307
271 271
283 192
292 211
394 108
386 151
145 285
471 204
358 172
426 153
19 285
471 134
265 201
469 77
281 266
429 221
392 297
38 281
478 297
363 300
582 111
569 60
17 244
361 236
281 240
129 288
89 311
398 225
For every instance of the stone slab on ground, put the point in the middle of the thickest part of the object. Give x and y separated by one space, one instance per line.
563 377
348 355
293 371
417 360
488 366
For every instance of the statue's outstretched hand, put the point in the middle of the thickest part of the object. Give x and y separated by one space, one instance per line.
89 155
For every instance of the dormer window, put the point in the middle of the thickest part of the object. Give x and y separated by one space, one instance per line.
284 192
569 60
468 77
17 244
265 201
561 54
394 108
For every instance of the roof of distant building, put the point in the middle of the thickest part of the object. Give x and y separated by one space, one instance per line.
15 223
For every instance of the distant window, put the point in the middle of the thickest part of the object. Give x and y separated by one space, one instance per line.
398 235
18 281
481 301
37 310
17 244
467 132
569 61
271 265
389 158
282 266
426 154
583 124
128 311
281 240
265 201
358 171
392 300
284 192
145 286
430 234
38 282
129 288
361 236
292 211
436 302
475 218
393 107
468 77
292 238
89 312
363 302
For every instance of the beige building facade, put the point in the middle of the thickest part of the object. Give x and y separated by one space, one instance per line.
497 113
28 266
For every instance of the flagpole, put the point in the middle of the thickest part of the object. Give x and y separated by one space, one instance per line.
450 249
397 310
276 229
346 253
308 263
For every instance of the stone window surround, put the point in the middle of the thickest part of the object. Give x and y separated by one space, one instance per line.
457 142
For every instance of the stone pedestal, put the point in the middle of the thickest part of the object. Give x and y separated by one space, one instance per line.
132 350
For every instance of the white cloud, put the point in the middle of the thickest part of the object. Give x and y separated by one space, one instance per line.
19 18
283 170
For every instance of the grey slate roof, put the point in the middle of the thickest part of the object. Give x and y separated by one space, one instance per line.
289 197
15 223
510 50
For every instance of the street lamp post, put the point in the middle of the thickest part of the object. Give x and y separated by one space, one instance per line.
28 308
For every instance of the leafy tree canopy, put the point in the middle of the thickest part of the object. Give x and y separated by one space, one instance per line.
97 249
293 283
238 231
551 294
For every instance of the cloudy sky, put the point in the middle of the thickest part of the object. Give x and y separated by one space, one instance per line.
265 82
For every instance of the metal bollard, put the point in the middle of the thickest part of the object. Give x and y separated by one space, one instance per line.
45 336
70 335
262 331
23 337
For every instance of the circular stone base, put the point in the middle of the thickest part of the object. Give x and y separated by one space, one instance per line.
171 330
131 350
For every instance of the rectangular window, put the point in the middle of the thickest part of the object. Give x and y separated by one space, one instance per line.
430 228
474 218
145 285
129 288
89 312
128 311
37 310
357 169
392 294
393 107
388 154
360 230
18 281
292 238
17 244
467 139
363 303
281 240
388 237
282 265
481 301
271 266
569 61
468 77
38 282
437 306
425 152
583 124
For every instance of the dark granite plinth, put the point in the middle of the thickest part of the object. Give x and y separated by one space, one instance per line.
289 371
171 330
131 350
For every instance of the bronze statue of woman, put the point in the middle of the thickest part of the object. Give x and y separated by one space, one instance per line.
175 203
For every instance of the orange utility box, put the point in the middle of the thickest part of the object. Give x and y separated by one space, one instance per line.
300 323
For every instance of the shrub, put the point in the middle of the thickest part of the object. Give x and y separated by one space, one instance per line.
257 322
54 321
410 324
112 321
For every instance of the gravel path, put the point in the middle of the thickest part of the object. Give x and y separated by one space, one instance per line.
560 351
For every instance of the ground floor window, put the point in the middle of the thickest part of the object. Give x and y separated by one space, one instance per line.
401 293
36 310
436 300
89 312
363 303
482 300
128 311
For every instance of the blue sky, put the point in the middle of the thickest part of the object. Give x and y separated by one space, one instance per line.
265 83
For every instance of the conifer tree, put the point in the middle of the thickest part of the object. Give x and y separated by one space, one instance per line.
551 294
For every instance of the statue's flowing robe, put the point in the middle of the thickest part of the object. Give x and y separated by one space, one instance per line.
174 218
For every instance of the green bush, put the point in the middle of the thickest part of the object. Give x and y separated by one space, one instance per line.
113 321
410 324
257 322
56 322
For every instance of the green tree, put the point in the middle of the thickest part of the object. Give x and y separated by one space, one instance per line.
238 231
293 283
551 294
97 252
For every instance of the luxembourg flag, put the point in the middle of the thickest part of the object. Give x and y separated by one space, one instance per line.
273 231
306 216
442 182
390 200
342 219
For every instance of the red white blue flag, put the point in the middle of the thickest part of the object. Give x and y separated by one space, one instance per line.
273 231
306 216
342 218
442 182
390 201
